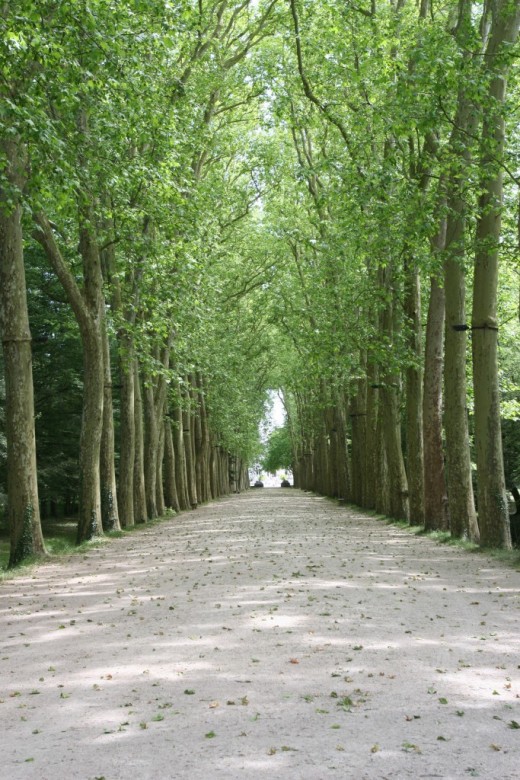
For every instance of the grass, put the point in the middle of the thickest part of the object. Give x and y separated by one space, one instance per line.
60 540
508 557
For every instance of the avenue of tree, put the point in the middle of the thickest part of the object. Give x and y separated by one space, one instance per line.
201 200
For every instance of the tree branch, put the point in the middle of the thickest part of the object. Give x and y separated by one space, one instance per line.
44 235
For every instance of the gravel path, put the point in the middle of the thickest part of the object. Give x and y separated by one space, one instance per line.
271 633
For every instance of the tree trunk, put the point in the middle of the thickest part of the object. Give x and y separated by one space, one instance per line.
140 512
435 497
23 508
151 436
372 447
89 523
159 484
213 467
189 450
180 453
458 464
493 513
88 307
127 433
414 396
463 521
205 441
109 508
358 421
390 412
341 436
171 498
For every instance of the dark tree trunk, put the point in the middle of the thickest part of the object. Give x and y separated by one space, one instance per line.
23 509
140 512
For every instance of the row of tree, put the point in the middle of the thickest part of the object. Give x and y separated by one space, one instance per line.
417 99
398 127
204 199
116 149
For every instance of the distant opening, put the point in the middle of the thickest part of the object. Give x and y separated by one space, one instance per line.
274 466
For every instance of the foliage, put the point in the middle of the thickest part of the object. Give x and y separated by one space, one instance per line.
278 451
250 190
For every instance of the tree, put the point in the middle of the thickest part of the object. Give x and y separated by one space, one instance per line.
492 502
279 453
23 507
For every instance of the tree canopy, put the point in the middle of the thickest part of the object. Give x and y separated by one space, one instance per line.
203 201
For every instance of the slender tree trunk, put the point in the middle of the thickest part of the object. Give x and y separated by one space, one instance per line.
170 486
109 507
213 467
493 513
205 441
188 447
89 523
414 396
390 412
180 453
151 436
159 484
358 421
372 444
140 511
196 432
128 311
341 436
23 508
435 497
382 495
127 433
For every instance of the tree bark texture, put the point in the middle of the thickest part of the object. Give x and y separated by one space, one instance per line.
171 498
151 439
435 496
389 395
414 396
159 484
493 516
109 507
127 432
370 463
180 453
463 522
188 447
140 511
23 509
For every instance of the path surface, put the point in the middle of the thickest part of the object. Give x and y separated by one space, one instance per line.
268 634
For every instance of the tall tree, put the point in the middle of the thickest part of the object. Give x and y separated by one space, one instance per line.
493 513
22 486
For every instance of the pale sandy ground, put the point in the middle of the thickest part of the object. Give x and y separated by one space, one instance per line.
268 634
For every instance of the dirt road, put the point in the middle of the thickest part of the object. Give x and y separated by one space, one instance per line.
267 634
